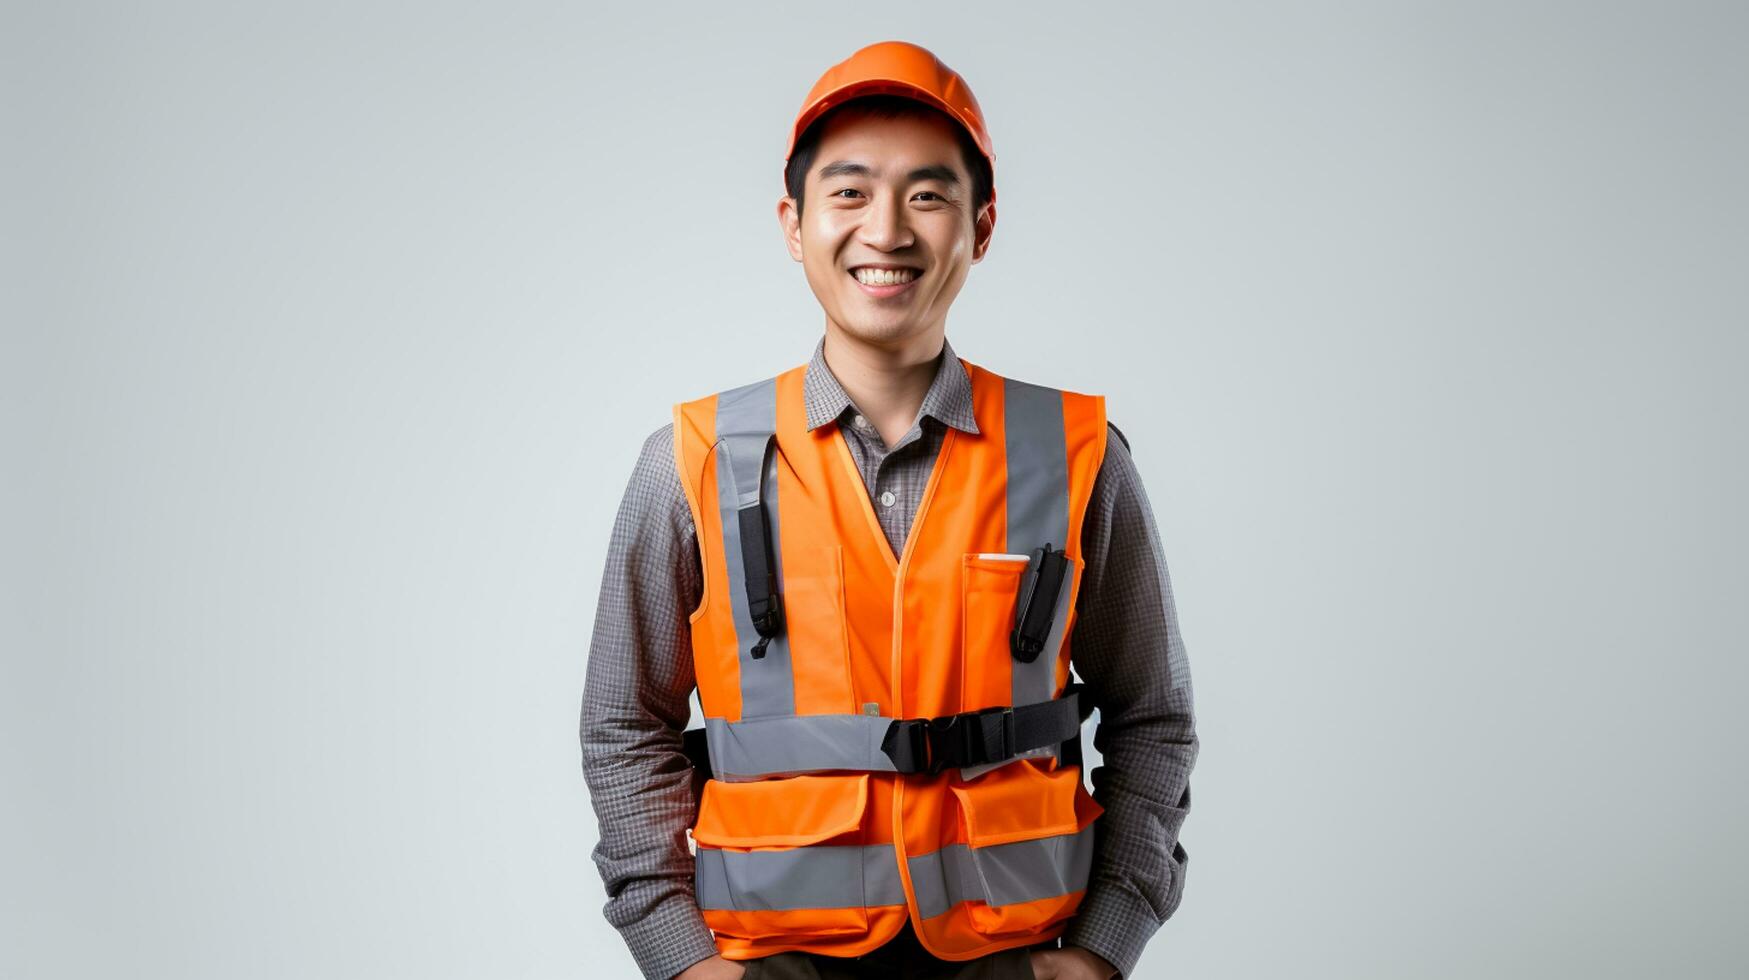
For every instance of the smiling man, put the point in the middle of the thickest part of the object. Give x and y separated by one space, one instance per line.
870 567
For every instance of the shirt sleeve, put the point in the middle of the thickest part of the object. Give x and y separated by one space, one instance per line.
1127 648
639 677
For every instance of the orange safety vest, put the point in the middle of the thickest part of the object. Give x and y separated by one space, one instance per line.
829 817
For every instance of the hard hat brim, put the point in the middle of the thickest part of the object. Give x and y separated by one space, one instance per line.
837 97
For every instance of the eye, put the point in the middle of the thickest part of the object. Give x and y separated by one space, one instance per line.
843 189
938 197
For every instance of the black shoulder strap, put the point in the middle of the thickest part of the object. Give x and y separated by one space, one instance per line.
748 455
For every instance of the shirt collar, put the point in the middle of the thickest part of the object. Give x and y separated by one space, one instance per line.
948 400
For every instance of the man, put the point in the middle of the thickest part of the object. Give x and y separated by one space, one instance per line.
868 567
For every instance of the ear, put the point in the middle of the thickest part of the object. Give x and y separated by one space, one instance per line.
983 228
789 218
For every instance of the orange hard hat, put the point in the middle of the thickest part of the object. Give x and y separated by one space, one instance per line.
895 68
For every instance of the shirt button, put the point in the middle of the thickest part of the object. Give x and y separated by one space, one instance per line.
887 498
861 422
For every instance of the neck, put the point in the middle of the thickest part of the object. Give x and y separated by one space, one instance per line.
886 381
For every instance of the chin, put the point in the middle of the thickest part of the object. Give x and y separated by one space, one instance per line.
882 334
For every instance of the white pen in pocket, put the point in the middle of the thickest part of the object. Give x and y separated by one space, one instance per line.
1004 557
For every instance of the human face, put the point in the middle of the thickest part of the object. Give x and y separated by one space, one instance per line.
887 194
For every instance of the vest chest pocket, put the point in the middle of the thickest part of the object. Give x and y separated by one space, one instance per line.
989 589
788 857
989 593
1028 850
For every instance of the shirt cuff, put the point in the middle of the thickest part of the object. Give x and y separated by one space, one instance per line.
1114 923
670 938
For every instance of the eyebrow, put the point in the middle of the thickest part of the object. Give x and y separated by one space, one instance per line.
850 168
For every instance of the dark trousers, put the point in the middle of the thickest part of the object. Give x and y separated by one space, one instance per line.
901 958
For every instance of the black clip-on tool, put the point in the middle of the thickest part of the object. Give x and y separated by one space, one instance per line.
1036 606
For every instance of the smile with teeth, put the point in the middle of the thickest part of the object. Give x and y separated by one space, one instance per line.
883 277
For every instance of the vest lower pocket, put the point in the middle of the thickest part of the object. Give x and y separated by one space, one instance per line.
788 857
1028 850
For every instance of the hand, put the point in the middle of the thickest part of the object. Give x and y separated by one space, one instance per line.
1070 963
713 968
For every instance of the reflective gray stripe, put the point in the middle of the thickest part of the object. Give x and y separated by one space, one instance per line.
796 744
746 418
787 745
1038 508
824 876
1001 874
821 876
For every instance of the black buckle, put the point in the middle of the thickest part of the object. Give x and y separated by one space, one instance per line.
907 744
767 614
971 738
930 745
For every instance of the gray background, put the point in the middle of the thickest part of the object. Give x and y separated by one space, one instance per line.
331 332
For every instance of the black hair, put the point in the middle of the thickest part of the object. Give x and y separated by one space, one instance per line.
801 160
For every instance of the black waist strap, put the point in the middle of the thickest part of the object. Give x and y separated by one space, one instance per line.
697 749
974 738
970 738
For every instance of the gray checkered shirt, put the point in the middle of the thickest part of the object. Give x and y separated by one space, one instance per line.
1125 645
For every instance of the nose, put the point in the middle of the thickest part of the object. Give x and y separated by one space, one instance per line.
885 226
